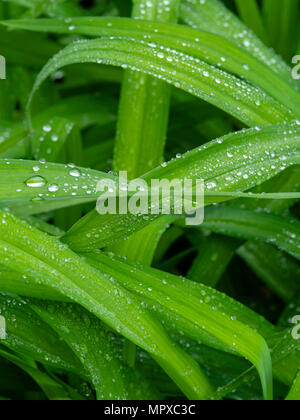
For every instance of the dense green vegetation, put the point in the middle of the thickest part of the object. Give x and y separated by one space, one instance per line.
140 307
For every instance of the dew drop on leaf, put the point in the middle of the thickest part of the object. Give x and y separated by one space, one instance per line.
36 182
75 173
53 188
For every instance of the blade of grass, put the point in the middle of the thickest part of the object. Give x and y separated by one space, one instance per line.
250 14
61 8
282 232
37 182
45 186
280 272
38 255
52 388
294 394
29 336
213 16
271 13
282 349
13 282
213 259
141 134
287 42
71 152
210 48
144 107
288 313
272 273
91 343
276 274
137 282
97 352
288 180
48 144
252 153
170 296
248 104
82 110
245 316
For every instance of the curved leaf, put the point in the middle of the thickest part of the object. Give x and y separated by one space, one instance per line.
82 110
294 394
91 343
236 162
50 262
282 232
213 16
214 321
29 336
208 47
247 103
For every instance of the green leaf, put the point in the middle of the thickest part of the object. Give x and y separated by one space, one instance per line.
289 16
283 347
217 321
46 185
53 389
96 347
272 13
280 272
213 16
86 315
204 46
250 13
282 232
294 394
62 8
48 144
273 266
214 255
144 105
91 343
184 71
16 283
236 162
29 336
44 258
82 110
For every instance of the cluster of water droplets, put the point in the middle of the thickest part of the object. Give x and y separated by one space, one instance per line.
166 63
76 182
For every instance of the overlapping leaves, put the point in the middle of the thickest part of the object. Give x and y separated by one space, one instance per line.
67 284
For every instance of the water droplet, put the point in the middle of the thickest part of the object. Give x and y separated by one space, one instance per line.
75 173
36 182
37 199
53 188
47 128
212 184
